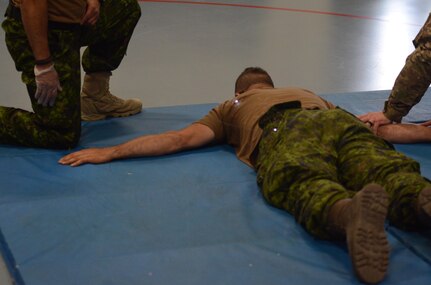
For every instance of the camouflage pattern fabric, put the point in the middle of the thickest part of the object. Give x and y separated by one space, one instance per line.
108 41
59 126
414 79
309 159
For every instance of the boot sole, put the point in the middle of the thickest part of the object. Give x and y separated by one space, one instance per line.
366 237
98 117
424 207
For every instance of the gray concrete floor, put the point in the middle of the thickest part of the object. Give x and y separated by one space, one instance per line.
191 53
183 53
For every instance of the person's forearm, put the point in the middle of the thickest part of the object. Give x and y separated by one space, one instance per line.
150 145
404 133
34 15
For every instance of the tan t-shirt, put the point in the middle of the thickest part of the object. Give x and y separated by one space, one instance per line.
66 11
236 121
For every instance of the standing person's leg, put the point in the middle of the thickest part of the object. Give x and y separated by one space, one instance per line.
298 171
107 44
58 126
365 158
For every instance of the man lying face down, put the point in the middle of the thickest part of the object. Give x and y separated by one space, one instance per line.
314 160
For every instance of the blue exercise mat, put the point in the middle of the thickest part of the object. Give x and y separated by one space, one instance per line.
191 218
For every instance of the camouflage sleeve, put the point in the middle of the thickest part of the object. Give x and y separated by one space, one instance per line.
414 79
424 35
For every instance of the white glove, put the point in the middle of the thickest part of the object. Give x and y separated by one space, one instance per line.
47 84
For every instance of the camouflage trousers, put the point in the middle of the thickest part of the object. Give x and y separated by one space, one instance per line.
309 159
59 126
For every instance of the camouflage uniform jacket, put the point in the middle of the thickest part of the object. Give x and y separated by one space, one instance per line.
414 79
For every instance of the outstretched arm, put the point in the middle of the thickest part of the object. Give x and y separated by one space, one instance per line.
405 133
193 136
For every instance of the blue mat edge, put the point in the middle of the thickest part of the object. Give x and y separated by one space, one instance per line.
9 261
8 255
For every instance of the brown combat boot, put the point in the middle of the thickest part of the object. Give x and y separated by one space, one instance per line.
362 219
97 103
424 207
